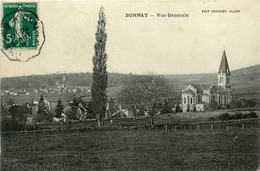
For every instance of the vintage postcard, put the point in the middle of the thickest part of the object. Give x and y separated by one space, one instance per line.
130 85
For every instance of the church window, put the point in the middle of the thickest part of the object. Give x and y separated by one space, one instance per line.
190 100
221 80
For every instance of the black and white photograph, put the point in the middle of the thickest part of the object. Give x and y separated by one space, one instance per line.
130 85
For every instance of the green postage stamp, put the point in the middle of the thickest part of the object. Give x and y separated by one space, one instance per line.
22 31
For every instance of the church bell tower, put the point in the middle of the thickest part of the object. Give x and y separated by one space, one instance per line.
224 73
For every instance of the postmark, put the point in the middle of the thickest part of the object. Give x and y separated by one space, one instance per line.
22 31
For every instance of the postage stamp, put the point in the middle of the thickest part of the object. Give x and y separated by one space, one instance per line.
22 31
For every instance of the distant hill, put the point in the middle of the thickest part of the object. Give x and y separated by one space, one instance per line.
245 81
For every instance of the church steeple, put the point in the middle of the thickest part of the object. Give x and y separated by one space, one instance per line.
224 68
224 73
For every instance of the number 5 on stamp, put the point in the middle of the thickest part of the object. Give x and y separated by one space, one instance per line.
22 31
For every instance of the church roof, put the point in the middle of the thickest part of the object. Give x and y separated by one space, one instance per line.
201 87
224 68
221 89
198 87
206 86
188 91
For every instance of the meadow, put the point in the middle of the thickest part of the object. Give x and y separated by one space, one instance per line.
132 150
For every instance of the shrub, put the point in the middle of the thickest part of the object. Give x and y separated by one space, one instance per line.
228 107
237 116
178 108
224 117
251 115
212 119
11 125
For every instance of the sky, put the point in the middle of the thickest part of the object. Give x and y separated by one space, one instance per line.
169 45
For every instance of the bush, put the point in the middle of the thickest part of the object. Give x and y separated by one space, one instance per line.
212 119
228 107
251 115
224 117
237 116
11 125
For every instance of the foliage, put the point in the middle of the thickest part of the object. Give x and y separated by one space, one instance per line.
90 112
237 116
41 105
213 105
224 117
178 108
166 107
141 112
144 92
227 117
100 76
71 114
212 119
11 125
19 113
242 103
48 117
59 108
251 115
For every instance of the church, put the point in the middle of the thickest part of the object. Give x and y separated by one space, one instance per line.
196 97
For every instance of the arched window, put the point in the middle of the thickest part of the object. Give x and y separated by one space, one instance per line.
220 79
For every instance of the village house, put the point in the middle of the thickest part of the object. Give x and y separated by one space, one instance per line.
196 97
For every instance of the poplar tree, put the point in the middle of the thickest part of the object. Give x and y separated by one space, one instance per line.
100 75
59 108
41 105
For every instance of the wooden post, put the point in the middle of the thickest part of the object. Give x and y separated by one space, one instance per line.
243 127
211 128
165 127
175 127
198 127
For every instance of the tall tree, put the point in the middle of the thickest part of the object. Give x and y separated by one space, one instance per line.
145 92
41 105
59 108
99 85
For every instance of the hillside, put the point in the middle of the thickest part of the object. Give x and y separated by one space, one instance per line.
245 81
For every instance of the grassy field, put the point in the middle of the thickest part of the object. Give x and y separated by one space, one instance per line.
132 150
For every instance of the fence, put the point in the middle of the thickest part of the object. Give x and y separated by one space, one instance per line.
243 124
